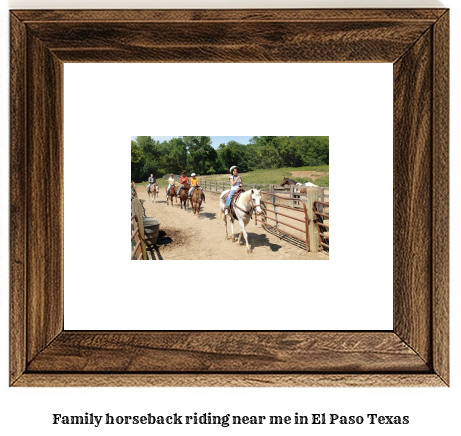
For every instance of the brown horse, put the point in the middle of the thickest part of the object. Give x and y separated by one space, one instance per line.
287 181
172 195
184 195
196 200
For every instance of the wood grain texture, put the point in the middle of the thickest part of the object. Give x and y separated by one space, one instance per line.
235 352
414 354
18 211
230 380
45 236
258 41
441 195
413 196
205 15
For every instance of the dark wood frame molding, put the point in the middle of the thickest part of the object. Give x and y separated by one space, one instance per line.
414 353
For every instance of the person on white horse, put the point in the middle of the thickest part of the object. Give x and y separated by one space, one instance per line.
171 182
151 181
247 203
236 182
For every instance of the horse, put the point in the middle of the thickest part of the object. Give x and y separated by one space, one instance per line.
196 200
300 189
184 195
153 192
244 206
172 195
287 181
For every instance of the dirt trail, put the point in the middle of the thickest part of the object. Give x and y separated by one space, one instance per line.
311 174
188 237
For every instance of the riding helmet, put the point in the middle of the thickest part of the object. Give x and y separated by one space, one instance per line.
193 175
232 168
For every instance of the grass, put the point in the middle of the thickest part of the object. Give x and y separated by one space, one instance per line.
274 176
162 183
323 181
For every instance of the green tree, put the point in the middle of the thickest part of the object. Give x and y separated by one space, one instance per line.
137 162
202 155
234 153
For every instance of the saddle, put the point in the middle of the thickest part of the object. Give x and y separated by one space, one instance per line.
234 199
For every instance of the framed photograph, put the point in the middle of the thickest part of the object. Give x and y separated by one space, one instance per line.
414 353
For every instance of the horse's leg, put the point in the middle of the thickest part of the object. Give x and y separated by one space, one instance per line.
242 227
225 225
239 241
232 230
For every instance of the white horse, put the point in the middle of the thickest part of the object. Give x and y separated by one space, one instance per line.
153 192
301 187
248 202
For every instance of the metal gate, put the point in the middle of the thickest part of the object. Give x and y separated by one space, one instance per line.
301 212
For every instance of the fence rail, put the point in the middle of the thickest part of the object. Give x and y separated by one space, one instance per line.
138 245
136 235
324 239
218 186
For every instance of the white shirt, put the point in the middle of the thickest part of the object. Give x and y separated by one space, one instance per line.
237 185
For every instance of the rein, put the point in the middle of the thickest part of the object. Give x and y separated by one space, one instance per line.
252 208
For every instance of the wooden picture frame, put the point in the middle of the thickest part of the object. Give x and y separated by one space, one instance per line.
414 353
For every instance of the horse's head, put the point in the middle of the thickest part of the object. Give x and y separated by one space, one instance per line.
284 181
256 198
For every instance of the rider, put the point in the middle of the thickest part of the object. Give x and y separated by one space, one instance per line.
194 182
151 181
183 180
133 189
171 182
235 181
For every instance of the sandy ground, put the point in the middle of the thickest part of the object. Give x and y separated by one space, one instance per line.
184 236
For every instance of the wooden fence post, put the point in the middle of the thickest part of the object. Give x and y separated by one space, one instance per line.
136 209
292 203
312 195
322 198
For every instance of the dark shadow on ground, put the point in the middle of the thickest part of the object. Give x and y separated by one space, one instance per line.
287 238
154 253
208 215
256 240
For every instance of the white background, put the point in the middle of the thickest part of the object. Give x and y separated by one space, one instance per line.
430 410
351 103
